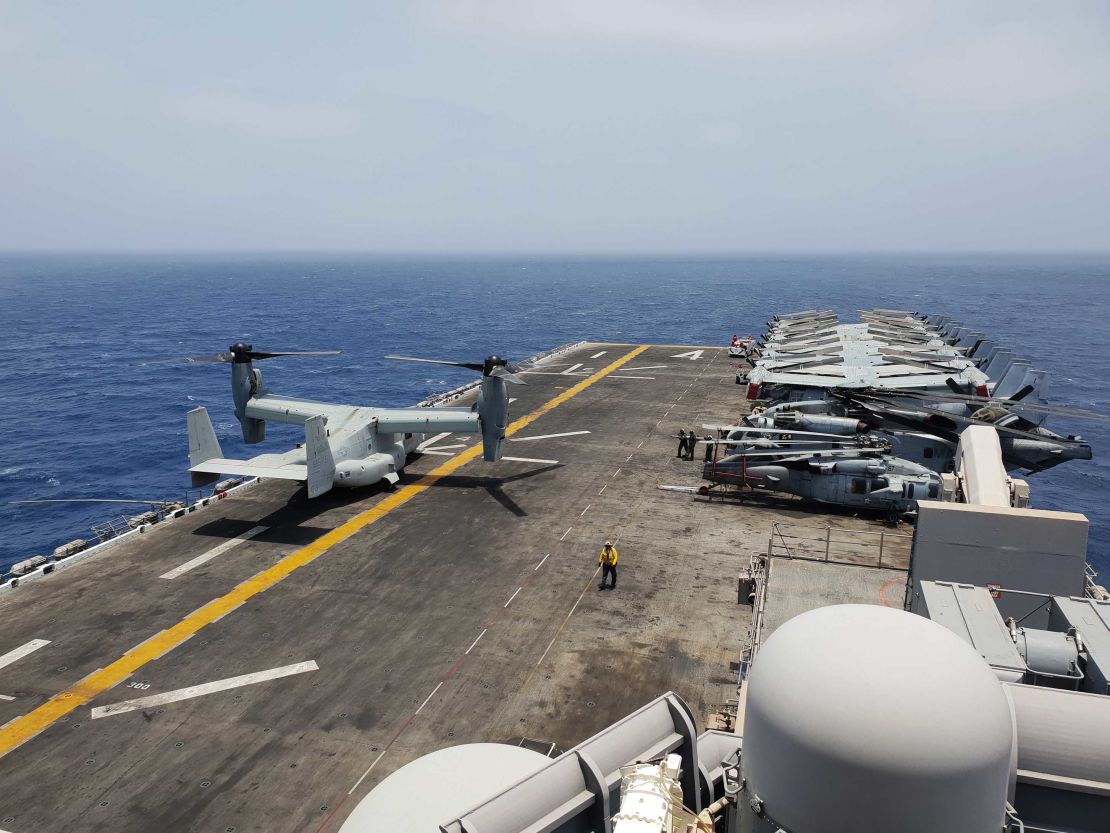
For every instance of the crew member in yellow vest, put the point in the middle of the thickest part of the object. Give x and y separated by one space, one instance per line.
608 562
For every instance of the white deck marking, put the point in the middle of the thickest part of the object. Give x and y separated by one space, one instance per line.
618 376
641 445
22 651
602 489
445 447
212 553
646 367
434 440
530 460
571 369
541 562
5 697
547 436
202 689
438 453
573 608
599 355
429 697
510 601
629 457
693 355
565 534
584 511
362 777
618 471
554 373
475 642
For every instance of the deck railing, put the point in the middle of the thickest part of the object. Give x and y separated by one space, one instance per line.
837 545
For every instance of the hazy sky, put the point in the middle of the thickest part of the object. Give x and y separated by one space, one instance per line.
557 126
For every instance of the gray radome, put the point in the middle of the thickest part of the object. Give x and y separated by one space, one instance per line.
438 787
863 718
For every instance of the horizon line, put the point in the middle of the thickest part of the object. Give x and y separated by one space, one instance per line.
549 253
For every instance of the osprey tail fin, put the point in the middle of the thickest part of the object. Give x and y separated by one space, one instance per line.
203 445
318 456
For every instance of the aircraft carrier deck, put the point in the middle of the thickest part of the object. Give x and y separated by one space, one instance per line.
361 630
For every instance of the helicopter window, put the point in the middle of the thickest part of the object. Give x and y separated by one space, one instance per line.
877 483
934 490
929 453
859 486
408 436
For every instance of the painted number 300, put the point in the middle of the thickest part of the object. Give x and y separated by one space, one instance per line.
140 686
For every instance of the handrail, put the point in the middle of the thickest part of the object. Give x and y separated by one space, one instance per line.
828 543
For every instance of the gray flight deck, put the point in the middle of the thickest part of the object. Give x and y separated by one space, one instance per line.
468 612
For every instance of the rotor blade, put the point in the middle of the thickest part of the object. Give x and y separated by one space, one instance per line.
479 366
793 432
508 376
259 354
808 453
845 441
962 421
210 357
981 401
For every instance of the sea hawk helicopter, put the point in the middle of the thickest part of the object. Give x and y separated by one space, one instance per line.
828 468
345 445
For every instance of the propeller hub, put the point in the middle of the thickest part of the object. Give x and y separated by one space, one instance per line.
241 352
491 363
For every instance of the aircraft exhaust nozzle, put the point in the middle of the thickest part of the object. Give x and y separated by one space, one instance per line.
493 414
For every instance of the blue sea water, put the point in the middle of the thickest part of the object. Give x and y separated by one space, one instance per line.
82 418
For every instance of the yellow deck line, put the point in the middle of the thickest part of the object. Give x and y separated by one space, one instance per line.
22 729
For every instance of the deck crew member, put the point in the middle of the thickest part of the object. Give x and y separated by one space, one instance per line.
691 444
608 562
681 443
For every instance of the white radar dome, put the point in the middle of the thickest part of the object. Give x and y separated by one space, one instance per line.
864 718
440 786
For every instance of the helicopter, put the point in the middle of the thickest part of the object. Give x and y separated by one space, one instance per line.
854 472
1024 441
345 445
919 430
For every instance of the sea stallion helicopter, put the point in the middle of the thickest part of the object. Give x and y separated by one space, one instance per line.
855 471
345 445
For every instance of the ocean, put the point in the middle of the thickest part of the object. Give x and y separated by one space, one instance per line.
82 416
